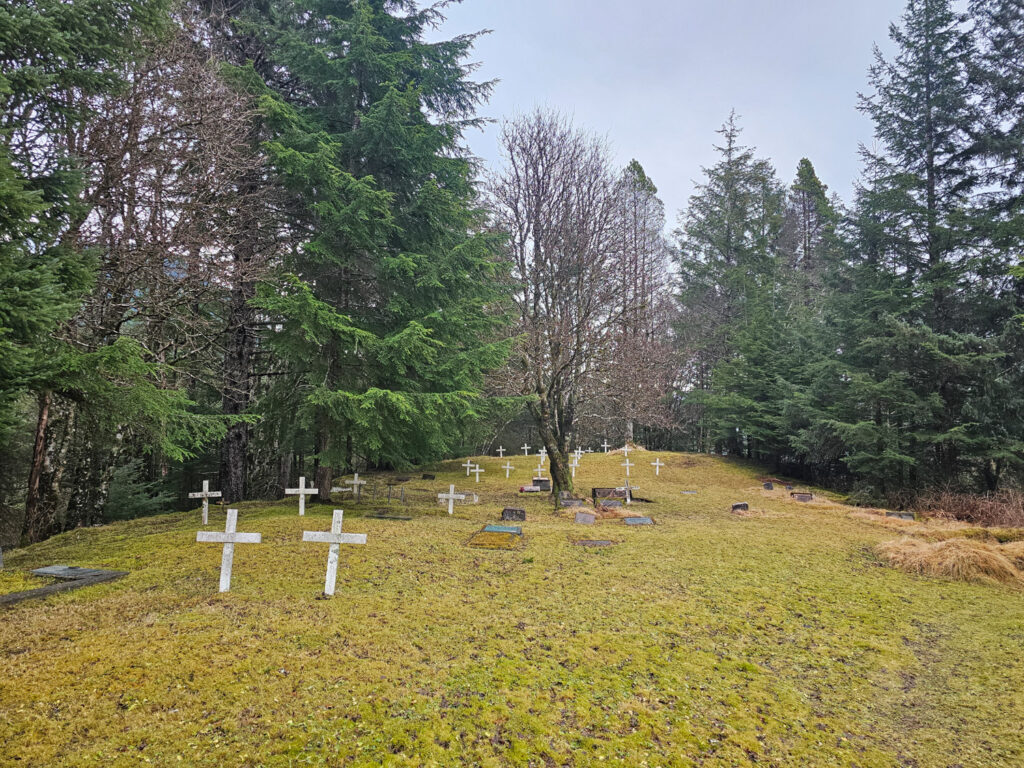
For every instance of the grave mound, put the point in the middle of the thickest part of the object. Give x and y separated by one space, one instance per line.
959 559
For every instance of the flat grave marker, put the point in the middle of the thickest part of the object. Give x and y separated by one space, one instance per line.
689 493
516 529
206 494
335 538
229 538
594 543
801 496
516 514
740 506
496 539
70 577
901 515
638 521
586 518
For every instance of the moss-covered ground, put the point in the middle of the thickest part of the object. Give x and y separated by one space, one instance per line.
709 639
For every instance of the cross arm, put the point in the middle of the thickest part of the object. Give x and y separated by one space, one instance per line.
326 537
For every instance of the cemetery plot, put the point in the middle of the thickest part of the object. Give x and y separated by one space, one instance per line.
499 537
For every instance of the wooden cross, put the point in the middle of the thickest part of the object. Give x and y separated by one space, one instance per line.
508 468
451 496
501 452
526 449
606 445
625 450
542 454
302 491
356 484
229 538
206 494
579 453
657 464
469 466
476 471
335 538
573 464
627 465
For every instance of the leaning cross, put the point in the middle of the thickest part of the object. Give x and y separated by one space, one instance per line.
469 466
229 538
606 445
657 464
508 468
451 496
526 449
302 491
356 484
206 494
476 471
501 452
335 538
627 465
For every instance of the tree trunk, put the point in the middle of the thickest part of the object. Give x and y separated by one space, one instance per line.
35 528
241 342
324 473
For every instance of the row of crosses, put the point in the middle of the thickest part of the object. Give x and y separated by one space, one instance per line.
232 536
307 490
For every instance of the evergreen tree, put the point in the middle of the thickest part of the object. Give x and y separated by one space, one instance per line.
390 313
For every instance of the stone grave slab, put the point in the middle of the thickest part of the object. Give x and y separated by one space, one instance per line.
594 543
901 515
513 513
586 518
516 529
383 516
740 506
570 502
638 521
769 487
529 489
798 496
612 503
689 493
543 483
70 577
608 493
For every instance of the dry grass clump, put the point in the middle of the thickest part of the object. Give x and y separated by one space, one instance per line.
960 559
1005 508
1014 552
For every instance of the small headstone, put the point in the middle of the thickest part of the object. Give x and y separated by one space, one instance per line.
901 515
542 483
586 518
516 529
800 496
570 502
638 521
741 506
769 487
428 476
594 543
513 513
529 489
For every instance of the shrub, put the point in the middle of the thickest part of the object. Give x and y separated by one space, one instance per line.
1005 508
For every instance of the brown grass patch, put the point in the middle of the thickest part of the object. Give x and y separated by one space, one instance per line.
1005 508
1014 552
960 559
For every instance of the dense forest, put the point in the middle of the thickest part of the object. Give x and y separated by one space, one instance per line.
245 240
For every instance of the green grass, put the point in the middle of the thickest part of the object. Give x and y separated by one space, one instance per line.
709 639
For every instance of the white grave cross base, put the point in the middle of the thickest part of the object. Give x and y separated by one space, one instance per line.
451 496
357 484
657 464
302 492
476 471
508 468
627 464
229 538
206 494
335 538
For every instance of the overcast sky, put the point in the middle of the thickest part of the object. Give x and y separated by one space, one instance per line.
658 77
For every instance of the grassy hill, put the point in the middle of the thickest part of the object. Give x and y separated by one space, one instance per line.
776 638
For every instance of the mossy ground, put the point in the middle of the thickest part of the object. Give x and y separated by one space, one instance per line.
708 639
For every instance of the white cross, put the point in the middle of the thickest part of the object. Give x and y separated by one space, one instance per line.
469 466
579 453
451 496
540 469
302 491
542 454
336 489
229 538
476 471
335 538
501 452
627 465
573 465
657 464
206 494
606 445
625 450
356 484
526 449
589 450
508 468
